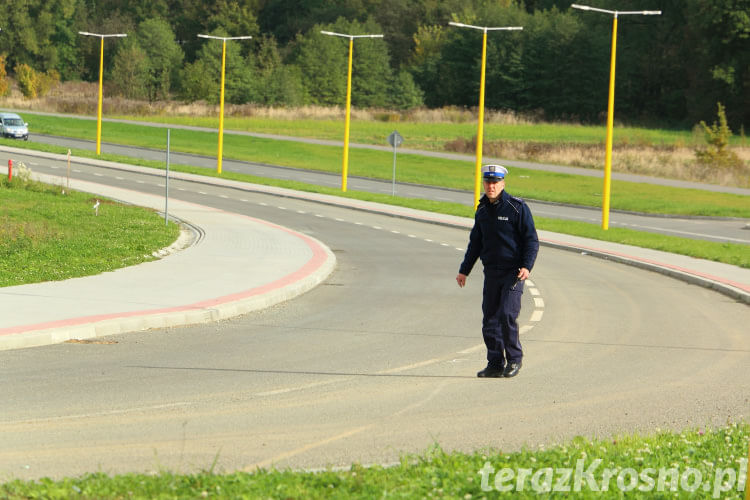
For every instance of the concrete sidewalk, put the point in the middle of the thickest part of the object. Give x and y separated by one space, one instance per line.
232 264
236 264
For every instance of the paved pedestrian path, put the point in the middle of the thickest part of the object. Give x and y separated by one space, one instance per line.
231 264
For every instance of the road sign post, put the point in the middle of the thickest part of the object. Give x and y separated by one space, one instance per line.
166 181
395 140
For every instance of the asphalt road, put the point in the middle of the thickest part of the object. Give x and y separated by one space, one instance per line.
731 230
378 361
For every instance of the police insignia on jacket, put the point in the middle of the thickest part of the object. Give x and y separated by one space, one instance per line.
500 217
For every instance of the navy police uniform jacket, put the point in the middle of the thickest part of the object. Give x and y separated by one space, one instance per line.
503 236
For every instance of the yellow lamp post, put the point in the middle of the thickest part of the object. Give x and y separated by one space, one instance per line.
480 127
101 77
221 92
611 103
345 163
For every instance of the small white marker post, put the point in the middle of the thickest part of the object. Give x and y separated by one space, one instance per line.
68 171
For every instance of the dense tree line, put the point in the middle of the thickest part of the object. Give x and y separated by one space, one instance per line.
671 69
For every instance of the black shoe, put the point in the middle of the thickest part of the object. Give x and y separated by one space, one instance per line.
490 372
512 370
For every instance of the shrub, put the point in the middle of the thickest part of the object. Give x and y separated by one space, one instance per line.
47 81
34 83
717 153
26 80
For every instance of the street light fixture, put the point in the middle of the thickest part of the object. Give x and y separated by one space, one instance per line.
480 127
345 165
221 93
101 76
611 102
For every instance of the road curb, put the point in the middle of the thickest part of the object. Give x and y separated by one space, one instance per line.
732 290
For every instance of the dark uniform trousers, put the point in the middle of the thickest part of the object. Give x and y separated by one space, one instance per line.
501 304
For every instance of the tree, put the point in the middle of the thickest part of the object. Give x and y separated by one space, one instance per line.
426 62
726 30
405 94
278 85
37 33
163 57
287 19
131 72
90 46
565 68
197 85
323 61
203 77
232 17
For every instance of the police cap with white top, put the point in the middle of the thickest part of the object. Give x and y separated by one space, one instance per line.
493 173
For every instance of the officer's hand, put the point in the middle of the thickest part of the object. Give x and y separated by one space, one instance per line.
461 280
523 273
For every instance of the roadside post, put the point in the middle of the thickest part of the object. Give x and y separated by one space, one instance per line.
347 119
220 153
395 140
480 125
68 184
10 170
166 183
611 102
101 77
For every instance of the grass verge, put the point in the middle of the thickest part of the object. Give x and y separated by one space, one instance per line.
433 136
728 253
48 236
693 464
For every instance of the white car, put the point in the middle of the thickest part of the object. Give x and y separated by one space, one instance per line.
11 125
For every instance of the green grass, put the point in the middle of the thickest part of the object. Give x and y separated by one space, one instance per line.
717 455
433 136
531 184
728 253
48 236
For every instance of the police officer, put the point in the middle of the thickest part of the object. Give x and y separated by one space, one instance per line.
505 239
